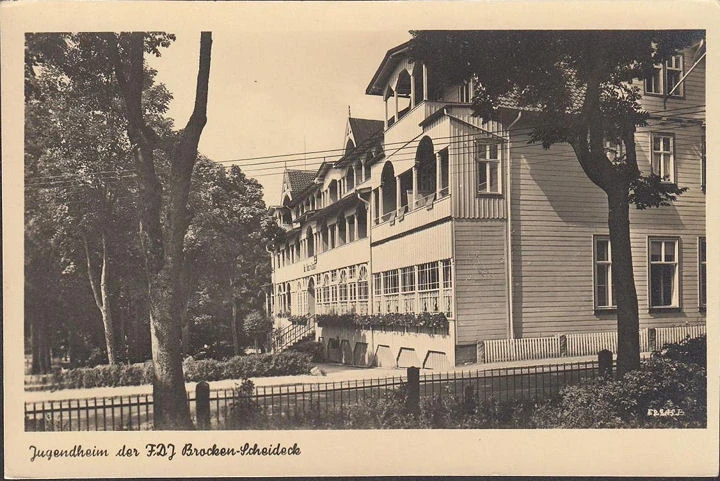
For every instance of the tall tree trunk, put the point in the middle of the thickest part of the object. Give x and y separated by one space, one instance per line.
163 251
628 356
101 294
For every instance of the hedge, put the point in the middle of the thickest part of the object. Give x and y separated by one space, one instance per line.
239 367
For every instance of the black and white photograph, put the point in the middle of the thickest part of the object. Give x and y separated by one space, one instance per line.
250 243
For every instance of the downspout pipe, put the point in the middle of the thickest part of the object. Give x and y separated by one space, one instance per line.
508 228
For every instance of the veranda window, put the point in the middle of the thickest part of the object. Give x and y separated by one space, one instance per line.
428 277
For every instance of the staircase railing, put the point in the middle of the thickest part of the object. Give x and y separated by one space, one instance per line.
291 334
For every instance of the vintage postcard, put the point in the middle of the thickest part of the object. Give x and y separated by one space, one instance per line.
383 238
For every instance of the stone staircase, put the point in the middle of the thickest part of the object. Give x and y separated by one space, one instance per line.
293 334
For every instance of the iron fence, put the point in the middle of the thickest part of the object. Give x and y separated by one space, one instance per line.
135 412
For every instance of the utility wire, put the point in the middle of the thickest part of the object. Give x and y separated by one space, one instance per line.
45 181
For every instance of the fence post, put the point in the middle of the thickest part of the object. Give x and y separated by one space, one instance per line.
202 404
563 345
605 361
469 399
413 389
652 339
481 352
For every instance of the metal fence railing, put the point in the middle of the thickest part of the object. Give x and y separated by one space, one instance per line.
135 412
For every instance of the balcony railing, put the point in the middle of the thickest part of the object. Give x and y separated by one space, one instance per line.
439 300
342 307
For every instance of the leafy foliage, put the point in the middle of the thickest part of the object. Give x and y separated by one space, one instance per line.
429 320
688 351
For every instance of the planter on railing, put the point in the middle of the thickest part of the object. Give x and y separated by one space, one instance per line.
435 322
299 320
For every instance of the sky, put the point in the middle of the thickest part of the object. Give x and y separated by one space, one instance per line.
275 93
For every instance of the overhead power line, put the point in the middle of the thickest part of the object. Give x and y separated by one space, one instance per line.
405 151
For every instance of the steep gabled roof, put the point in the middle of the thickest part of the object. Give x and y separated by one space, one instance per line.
299 180
364 129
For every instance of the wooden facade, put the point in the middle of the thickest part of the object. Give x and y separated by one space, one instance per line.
513 235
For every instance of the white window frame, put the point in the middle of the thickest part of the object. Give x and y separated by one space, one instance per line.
612 304
650 87
662 152
702 265
483 160
676 63
676 275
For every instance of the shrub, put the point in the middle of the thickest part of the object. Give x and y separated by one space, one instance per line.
244 410
688 351
315 349
661 384
254 365
238 367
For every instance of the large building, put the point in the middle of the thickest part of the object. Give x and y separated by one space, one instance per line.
433 210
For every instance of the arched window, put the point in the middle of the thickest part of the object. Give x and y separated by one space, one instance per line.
333 188
349 146
389 190
426 169
403 91
310 239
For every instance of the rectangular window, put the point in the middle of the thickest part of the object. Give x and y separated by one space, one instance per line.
377 284
604 288
674 72
428 276
391 282
447 274
343 292
665 77
363 291
664 278
654 83
487 160
351 272
408 279
702 268
353 292
663 158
